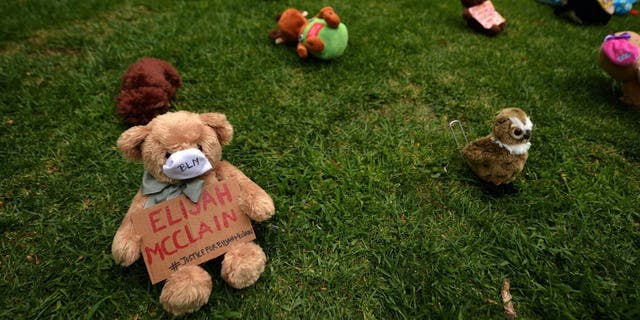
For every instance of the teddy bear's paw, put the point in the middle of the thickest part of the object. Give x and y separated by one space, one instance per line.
302 51
243 265
186 290
315 44
125 250
260 207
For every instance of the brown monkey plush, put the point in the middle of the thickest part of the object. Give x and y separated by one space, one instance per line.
498 157
483 17
148 87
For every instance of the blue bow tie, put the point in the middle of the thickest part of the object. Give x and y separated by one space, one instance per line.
158 191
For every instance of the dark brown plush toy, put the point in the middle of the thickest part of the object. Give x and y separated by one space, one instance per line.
147 89
587 12
483 17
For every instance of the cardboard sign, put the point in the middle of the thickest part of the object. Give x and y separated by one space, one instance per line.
486 15
178 232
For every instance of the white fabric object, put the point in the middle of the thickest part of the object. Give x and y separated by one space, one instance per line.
186 164
517 123
515 149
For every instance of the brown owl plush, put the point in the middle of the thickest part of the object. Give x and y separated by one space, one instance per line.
498 157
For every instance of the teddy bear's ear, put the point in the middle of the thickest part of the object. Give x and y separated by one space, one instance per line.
330 16
276 36
130 142
220 125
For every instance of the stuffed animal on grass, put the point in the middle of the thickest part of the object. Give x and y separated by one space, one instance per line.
322 36
499 157
481 16
196 140
620 58
622 7
148 87
587 12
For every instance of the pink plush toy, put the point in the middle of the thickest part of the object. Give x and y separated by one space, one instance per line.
620 58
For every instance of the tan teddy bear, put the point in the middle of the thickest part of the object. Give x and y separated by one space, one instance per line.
197 138
620 58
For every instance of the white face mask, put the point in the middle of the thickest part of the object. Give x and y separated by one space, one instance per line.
186 164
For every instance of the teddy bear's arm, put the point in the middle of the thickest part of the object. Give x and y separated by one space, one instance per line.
315 44
255 203
330 16
631 93
125 247
301 50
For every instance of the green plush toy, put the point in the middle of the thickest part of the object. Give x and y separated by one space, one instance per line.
335 39
322 36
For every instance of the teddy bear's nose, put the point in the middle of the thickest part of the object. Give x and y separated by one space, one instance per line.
186 164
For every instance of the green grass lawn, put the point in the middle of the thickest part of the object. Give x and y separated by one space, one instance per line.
377 215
